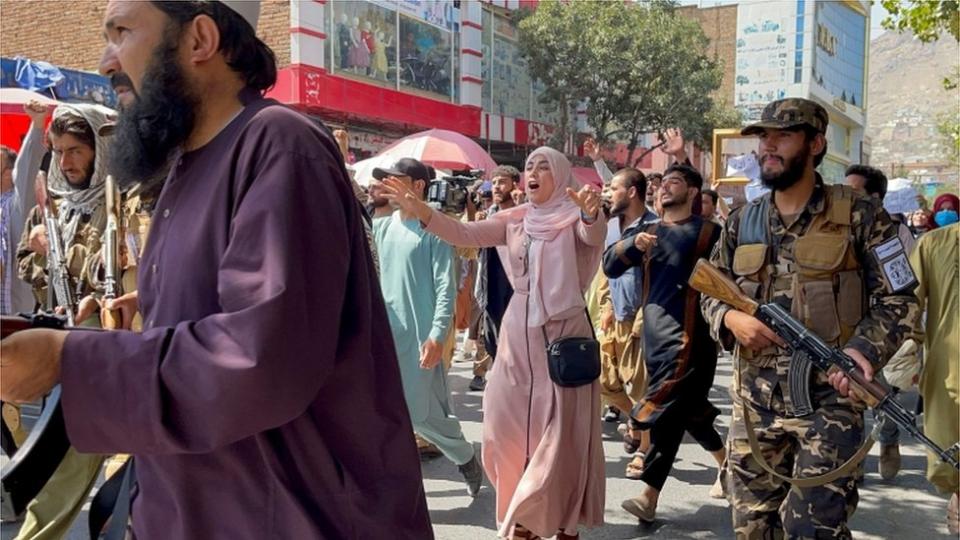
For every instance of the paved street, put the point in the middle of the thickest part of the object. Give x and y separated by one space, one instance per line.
905 509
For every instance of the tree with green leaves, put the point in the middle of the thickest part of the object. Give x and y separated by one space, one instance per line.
639 68
927 19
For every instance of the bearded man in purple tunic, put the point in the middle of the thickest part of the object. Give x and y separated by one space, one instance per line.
263 397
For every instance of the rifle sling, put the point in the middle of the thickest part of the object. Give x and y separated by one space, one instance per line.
810 481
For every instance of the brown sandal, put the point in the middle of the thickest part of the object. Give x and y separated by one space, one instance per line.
630 445
521 533
636 466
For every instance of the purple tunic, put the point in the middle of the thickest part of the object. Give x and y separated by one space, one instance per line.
263 399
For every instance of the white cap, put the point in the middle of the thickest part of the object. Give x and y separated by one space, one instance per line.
248 9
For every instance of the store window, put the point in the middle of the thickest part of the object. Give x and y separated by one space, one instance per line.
545 114
840 51
508 89
511 79
364 41
426 54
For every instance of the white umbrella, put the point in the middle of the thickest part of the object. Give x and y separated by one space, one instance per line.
12 100
444 150
22 96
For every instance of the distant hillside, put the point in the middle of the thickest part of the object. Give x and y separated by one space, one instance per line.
906 96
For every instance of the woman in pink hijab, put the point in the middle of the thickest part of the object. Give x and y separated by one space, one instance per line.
541 442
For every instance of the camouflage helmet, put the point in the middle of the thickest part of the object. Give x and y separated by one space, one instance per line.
788 113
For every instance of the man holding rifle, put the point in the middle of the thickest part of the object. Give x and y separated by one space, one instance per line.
833 258
76 180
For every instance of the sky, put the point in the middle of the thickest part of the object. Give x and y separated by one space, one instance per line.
877 13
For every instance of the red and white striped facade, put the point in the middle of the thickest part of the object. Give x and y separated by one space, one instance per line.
308 84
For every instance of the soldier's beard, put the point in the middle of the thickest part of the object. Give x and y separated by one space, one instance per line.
157 122
793 169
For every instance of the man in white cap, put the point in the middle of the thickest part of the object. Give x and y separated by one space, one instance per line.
263 397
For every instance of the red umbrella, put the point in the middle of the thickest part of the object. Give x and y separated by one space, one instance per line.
12 100
587 176
14 123
439 148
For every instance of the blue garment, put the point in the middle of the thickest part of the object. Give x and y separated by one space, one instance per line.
626 291
417 280
945 217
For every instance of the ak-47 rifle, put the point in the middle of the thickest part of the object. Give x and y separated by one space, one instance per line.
58 280
111 318
710 281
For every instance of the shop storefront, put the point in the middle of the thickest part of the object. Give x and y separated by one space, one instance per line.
384 69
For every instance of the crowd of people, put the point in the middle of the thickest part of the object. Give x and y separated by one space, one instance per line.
269 305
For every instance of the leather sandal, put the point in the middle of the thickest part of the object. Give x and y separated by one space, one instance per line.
521 533
630 445
636 466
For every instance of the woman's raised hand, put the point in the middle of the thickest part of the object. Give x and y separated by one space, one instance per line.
402 196
588 199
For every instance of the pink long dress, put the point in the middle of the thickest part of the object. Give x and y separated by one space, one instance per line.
541 443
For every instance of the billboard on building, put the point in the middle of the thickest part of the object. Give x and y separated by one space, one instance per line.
769 54
840 39
402 44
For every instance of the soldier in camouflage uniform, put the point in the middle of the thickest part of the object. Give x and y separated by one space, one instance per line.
834 258
75 180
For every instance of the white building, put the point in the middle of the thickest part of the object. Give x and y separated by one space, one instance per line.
814 49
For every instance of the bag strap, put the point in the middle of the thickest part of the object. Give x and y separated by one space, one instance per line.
693 296
586 312
649 229
808 481
543 328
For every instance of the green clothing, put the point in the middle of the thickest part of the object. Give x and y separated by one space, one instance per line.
52 513
419 289
936 262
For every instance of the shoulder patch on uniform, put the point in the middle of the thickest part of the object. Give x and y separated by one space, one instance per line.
894 264
899 273
889 248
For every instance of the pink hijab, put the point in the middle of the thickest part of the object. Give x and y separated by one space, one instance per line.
554 281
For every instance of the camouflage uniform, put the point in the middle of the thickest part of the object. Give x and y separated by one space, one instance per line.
839 233
81 219
80 251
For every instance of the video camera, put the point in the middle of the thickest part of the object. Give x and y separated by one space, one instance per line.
449 193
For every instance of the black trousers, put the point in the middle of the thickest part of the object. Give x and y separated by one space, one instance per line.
666 435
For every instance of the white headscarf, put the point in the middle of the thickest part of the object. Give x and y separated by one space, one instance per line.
76 202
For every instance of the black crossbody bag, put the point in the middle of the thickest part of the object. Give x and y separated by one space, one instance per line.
573 361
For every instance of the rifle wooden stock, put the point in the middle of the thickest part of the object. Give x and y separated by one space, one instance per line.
111 319
12 325
869 392
713 283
